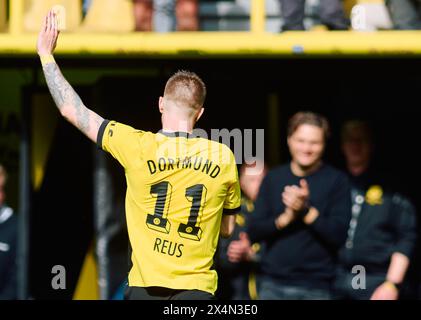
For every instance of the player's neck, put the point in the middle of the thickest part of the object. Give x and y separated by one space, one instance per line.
177 125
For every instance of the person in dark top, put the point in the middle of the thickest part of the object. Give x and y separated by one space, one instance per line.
382 231
405 14
331 13
301 215
8 244
238 258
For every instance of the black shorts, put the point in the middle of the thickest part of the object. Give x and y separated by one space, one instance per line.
160 293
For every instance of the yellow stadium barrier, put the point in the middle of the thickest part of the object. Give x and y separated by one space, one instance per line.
257 16
239 44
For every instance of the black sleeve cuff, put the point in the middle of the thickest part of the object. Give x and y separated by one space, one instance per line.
101 133
229 212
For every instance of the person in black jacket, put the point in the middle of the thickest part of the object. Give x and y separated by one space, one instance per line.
301 215
382 232
8 243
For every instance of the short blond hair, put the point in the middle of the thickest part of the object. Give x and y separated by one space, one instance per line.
186 89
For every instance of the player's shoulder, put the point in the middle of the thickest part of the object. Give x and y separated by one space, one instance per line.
224 152
219 145
116 125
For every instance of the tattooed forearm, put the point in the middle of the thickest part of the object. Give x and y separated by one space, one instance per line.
69 102
82 116
62 92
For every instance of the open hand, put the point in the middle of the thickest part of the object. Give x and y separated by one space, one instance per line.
47 38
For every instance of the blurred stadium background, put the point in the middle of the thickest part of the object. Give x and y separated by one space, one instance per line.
70 196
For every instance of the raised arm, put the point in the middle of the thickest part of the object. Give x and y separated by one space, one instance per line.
67 100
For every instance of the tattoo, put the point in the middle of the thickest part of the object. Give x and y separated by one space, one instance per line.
65 96
60 89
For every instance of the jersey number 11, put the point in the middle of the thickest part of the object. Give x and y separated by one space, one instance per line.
159 220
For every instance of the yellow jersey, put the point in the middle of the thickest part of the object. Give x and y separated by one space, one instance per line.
178 187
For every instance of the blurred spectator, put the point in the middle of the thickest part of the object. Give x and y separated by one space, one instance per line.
8 231
238 259
158 15
85 6
405 14
331 14
302 214
382 231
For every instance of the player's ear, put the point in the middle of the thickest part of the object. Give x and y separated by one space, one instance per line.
161 104
200 114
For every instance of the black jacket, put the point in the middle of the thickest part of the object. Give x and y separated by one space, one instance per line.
385 224
302 254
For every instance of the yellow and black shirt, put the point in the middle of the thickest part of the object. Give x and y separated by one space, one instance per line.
178 187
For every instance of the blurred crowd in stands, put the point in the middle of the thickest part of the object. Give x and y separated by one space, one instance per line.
224 15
